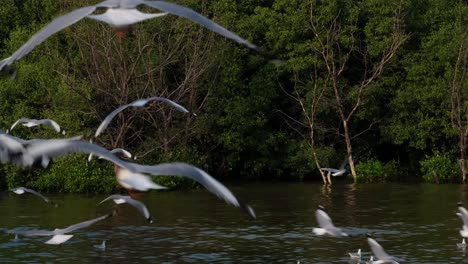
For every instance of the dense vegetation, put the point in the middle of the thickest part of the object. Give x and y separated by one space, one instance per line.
381 81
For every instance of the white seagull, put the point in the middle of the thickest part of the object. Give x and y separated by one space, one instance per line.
59 235
137 103
35 122
355 256
379 252
48 149
326 224
337 172
463 214
121 199
462 245
119 13
102 246
21 190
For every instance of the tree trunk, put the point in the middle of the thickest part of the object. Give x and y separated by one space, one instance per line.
349 148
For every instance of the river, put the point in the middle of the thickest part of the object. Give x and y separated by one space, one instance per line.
415 223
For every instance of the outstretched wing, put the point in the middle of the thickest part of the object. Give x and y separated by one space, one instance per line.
79 225
330 169
197 18
57 147
53 27
323 219
378 250
137 103
19 189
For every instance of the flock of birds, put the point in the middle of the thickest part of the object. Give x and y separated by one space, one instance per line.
328 228
132 176
120 14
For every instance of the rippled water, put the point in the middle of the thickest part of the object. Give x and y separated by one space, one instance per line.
416 223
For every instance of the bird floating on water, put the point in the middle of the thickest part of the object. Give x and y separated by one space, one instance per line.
59 236
326 224
121 199
35 122
119 13
379 252
102 246
462 245
355 256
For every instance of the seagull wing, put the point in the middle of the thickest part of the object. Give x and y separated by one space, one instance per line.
137 103
330 169
463 214
323 219
52 28
51 123
57 147
21 120
197 18
343 164
378 250
139 206
135 203
33 192
194 173
79 225
123 151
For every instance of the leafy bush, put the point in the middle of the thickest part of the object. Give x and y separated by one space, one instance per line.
70 174
439 168
375 171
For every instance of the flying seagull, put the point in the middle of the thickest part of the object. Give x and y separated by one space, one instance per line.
119 13
121 199
379 252
60 236
35 122
48 149
137 103
337 172
463 214
21 190
326 224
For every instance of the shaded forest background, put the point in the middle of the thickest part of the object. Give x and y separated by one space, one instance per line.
383 82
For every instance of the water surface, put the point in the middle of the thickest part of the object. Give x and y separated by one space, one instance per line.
416 223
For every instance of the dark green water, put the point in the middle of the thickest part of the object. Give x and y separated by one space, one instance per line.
416 223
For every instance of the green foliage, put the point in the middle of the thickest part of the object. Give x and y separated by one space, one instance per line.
70 174
439 168
373 171
249 123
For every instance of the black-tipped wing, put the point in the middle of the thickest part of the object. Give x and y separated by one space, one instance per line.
137 103
53 27
197 18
